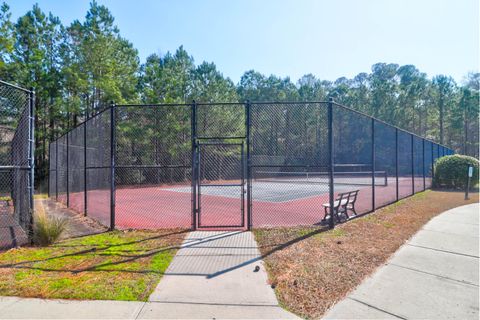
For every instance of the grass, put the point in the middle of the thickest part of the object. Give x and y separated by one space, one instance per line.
313 268
40 196
47 229
117 265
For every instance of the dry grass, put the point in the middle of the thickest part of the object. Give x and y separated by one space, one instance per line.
311 268
118 265
47 229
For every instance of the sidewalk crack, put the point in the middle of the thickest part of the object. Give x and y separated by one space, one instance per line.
140 311
376 308
435 275
446 251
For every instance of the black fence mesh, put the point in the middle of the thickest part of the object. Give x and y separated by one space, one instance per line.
76 168
16 164
223 121
352 149
98 166
52 169
289 160
62 172
435 152
428 163
221 185
235 165
385 161
405 164
418 164
153 166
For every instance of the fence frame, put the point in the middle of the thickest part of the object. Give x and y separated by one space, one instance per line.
30 160
331 105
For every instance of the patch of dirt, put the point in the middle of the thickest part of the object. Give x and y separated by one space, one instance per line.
313 268
78 224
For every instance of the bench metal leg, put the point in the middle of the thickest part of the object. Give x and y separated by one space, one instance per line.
346 212
353 209
326 213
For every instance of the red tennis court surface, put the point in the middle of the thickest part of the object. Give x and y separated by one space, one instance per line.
273 204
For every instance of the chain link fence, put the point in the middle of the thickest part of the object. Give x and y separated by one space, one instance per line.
16 164
236 165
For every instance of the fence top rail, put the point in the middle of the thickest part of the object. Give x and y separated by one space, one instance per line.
147 105
15 86
14 167
289 102
243 103
217 103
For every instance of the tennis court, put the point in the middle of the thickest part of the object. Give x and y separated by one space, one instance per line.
234 165
275 204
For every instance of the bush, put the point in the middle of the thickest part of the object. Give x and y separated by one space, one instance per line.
452 172
47 229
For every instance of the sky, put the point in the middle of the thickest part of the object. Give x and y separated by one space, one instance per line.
328 38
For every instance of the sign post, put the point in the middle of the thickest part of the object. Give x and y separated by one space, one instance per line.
470 174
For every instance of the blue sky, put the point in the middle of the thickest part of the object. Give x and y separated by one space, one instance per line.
328 38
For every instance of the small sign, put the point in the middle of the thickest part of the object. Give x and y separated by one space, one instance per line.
470 171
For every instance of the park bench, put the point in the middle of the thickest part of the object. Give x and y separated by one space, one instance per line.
344 202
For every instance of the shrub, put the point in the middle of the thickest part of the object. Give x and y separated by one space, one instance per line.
47 229
451 172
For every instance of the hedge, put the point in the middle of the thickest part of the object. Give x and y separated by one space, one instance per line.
452 172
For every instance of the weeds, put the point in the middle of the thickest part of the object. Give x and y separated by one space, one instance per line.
47 229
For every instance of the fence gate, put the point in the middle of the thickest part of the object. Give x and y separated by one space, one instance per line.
220 185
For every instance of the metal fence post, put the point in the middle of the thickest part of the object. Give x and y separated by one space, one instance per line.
49 168
85 188
193 128
56 169
249 169
68 169
423 164
331 163
31 156
431 150
396 161
112 165
412 148
373 164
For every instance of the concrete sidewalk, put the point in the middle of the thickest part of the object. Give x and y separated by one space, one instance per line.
433 276
213 276
216 274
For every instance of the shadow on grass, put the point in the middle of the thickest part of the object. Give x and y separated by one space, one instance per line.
98 250
103 267
120 244
129 258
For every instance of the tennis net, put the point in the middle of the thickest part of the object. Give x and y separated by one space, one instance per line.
346 178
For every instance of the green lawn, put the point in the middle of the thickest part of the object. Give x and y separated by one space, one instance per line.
114 265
